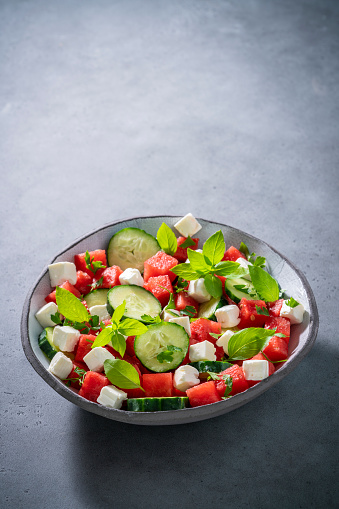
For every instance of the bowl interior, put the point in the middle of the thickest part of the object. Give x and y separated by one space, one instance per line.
288 276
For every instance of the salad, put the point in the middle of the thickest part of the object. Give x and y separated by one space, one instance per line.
156 324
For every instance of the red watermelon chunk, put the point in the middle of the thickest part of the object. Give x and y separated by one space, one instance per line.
92 385
84 346
110 277
200 331
277 349
240 383
274 307
283 326
157 385
181 252
161 287
74 378
249 316
232 254
182 300
160 265
203 394
84 281
99 255
67 286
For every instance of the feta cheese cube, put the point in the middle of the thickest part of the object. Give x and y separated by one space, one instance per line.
184 321
255 369
203 351
65 337
295 315
197 290
131 277
185 377
44 314
224 339
167 315
187 226
111 397
61 272
96 357
60 365
228 316
245 264
100 311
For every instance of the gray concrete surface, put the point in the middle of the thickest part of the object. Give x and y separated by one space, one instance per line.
227 109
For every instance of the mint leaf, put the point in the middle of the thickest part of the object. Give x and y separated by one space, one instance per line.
231 270
119 312
291 302
265 285
103 338
262 311
131 327
70 306
166 239
197 261
167 355
151 319
122 374
188 243
185 271
118 342
213 285
248 342
260 261
214 248
244 250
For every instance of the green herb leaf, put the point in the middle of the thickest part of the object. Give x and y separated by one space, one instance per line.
103 338
131 327
262 311
93 265
189 311
273 362
214 248
197 261
151 319
248 342
167 355
188 243
213 376
119 312
215 336
264 283
96 284
171 303
244 250
229 384
185 271
122 374
166 239
260 261
231 270
181 285
280 335
291 302
118 342
213 285
70 306
57 318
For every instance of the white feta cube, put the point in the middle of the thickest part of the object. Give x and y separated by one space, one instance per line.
100 310
44 314
197 290
96 357
203 351
166 315
111 397
187 226
244 264
185 377
65 338
255 369
224 339
228 316
295 315
60 365
131 277
61 272
184 321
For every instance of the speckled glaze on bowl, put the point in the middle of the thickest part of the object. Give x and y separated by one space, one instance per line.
289 277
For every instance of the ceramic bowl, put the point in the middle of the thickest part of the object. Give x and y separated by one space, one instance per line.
289 277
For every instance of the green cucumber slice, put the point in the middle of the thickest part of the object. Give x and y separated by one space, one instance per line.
235 293
156 404
97 297
139 301
208 309
160 339
45 342
213 366
131 247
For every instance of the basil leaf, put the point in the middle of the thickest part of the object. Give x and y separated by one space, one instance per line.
197 261
260 261
70 306
265 285
214 248
213 285
118 343
291 302
188 243
119 312
244 250
248 342
150 319
166 239
103 338
171 303
122 374
231 270
185 271
131 327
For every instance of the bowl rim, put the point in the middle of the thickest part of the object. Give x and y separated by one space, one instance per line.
172 416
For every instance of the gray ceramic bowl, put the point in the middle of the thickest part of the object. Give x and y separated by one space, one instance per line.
290 278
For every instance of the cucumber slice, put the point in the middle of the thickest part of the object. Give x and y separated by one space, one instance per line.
45 342
213 366
97 297
207 309
235 293
156 404
139 301
161 338
131 247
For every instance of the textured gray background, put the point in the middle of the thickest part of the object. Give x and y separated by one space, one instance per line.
226 109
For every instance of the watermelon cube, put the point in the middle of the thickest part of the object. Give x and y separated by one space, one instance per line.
277 349
161 287
274 307
99 255
181 252
249 314
283 326
160 265
200 331
240 383
110 277
182 300
157 385
203 394
232 254
84 346
84 281
92 385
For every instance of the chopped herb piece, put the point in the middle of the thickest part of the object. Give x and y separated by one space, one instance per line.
291 302
262 311
188 243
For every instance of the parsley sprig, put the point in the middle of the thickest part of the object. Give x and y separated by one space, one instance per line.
80 378
167 355
93 265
